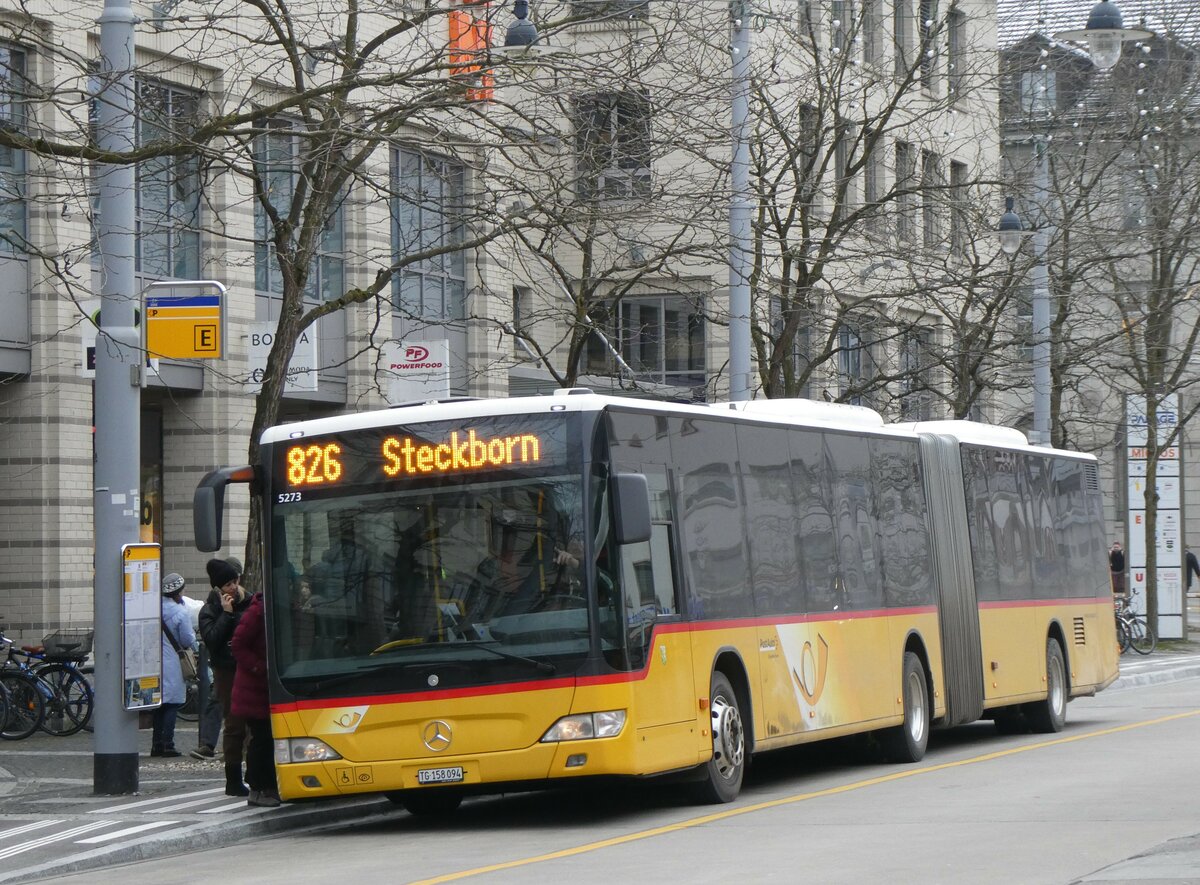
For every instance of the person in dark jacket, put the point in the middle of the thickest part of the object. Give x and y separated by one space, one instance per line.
226 604
251 703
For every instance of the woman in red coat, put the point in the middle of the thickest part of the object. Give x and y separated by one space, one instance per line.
250 701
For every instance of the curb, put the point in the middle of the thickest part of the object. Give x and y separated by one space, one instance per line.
300 817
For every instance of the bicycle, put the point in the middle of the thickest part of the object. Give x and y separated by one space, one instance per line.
67 696
26 697
60 661
1133 630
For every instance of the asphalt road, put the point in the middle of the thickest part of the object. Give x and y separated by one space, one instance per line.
1110 799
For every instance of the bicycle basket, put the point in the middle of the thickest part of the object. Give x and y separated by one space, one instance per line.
68 644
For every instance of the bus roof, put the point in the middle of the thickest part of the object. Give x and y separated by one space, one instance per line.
798 412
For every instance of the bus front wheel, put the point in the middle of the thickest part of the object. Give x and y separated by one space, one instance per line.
907 742
1049 716
723 773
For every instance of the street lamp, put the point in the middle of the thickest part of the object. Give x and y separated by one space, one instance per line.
1010 230
522 43
1104 33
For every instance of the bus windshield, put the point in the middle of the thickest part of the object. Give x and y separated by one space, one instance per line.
464 580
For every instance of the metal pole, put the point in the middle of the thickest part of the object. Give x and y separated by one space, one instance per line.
117 403
1041 301
739 208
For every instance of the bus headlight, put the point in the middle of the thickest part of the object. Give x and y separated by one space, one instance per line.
586 725
303 750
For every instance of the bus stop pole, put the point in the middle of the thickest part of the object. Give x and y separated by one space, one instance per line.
117 400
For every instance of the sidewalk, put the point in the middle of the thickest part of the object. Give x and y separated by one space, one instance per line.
51 824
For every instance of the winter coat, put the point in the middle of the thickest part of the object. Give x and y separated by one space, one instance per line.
176 619
250 649
216 629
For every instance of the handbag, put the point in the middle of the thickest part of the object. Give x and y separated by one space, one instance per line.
187 657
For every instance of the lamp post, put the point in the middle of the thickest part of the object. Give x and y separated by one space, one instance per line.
739 206
1011 232
118 362
1104 33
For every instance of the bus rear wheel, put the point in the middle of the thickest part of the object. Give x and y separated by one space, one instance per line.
907 742
723 773
428 803
1049 716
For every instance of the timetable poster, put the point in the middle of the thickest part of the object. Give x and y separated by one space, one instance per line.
141 630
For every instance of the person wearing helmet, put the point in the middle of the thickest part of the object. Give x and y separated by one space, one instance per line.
178 624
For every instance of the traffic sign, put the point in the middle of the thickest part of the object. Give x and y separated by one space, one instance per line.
185 320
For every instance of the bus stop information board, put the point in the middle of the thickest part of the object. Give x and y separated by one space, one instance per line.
141 630
185 319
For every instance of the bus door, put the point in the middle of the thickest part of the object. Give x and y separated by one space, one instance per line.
658 644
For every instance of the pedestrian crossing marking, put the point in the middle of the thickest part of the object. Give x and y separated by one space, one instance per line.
128 831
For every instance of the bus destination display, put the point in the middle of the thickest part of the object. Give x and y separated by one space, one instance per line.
382 455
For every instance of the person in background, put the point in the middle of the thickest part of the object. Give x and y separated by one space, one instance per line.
226 604
1192 567
210 716
251 703
176 621
1116 566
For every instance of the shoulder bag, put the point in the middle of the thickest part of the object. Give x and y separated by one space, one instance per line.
187 657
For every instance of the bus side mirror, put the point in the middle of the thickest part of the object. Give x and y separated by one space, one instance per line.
208 504
631 495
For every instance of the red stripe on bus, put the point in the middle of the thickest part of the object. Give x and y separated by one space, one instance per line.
588 681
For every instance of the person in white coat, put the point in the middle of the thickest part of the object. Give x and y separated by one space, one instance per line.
176 619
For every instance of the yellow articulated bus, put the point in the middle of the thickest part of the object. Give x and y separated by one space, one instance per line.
486 595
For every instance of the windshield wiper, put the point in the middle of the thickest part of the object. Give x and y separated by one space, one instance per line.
544 666
317 684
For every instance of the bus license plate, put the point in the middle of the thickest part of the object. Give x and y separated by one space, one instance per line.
440 775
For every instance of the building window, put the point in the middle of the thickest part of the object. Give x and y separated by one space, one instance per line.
1038 92
927 29
800 357
809 163
841 25
522 317
906 196
613 146
931 187
956 51
873 184
610 10
13 98
854 363
427 214
902 36
872 31
843 150
277 160
168 188
958 208
915 372
806 21
660 337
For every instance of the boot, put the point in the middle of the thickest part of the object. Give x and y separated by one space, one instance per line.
233 782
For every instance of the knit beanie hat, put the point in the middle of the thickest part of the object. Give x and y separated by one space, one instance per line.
220 572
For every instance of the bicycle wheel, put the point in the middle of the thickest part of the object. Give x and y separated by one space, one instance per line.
1142 638
26 706
71 707
1122 635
